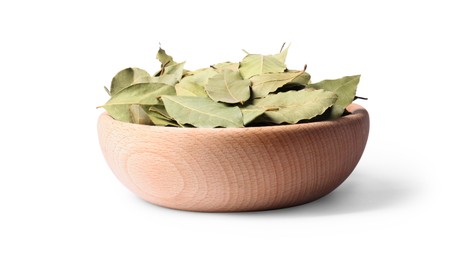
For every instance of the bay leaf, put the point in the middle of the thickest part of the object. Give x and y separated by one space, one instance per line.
233 66
168 79
139 116
160 117
167 63
160 109
146 79
228 87
126 78
264 84
202 112
345 88
294 106
257 64
165 59
188 88
142 93
119 112
176 70
158 120
201 76
193 84
282 55
251 113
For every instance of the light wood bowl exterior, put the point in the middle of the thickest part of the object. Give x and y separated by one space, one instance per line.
234 169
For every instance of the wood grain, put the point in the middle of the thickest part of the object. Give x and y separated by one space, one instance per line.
234 169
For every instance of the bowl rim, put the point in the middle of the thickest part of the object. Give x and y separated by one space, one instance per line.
356 112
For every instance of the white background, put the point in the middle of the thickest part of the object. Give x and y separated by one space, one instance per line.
407 198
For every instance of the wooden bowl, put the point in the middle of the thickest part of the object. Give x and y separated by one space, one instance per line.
234 169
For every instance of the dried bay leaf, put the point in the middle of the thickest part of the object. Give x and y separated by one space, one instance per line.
119 112
268 83
158 120
168 65
251 113
193 84
147 79
160 109
188 88
344 87
160 117
176 70
165 59
202 112
257 64
142 93
228 87
233 66
294 106
257 91
168 79
200 76
282 55
139 116
126 78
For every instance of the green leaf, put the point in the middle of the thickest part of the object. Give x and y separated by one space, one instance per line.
160 109
188 88
176 70
168 65
281 56
159 120
159 116
165 59
251 113
142 93
228 87
169 79
147 79
193 84
139 116
233 66
126 78
200 76
119 112
257 64
344 87
268 83
202 112
118 107
293 106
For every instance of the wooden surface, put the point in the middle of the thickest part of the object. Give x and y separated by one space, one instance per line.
234 169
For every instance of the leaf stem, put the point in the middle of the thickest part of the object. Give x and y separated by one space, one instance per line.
272 109
363 98
107 90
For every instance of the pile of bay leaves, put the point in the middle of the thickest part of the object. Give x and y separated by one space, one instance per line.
258 91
